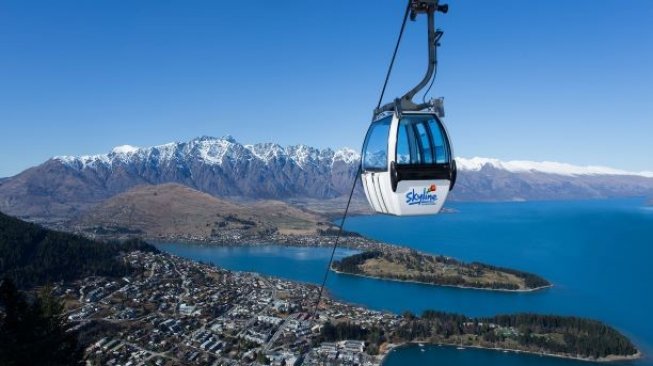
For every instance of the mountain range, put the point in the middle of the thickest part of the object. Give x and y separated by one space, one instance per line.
65 187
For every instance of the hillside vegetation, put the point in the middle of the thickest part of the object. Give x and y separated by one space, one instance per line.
32 255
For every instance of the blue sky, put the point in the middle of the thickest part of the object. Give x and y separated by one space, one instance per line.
559 80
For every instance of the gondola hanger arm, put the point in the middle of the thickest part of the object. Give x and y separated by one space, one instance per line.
405 103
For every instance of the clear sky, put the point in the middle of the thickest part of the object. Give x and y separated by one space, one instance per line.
560 80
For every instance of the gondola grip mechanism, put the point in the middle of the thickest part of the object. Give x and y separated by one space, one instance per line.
428 7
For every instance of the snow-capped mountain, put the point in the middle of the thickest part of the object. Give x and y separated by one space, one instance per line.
483 179
210 151
65 186
214 151
548 167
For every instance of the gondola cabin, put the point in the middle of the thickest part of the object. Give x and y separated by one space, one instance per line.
407 164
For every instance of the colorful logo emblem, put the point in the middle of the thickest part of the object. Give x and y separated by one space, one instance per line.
425 196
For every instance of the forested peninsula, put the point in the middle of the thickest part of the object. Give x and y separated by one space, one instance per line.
413 266
552 335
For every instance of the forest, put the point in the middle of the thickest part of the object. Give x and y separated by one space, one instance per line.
31 255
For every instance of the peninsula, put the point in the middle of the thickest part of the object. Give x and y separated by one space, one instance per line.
414 266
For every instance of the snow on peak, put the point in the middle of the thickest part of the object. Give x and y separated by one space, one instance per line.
212 151
215 151
548 167
347 155
125 149
303 154
266 151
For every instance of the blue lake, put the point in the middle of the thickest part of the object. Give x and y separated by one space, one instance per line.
598 254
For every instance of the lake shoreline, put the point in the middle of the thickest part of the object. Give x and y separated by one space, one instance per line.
608 359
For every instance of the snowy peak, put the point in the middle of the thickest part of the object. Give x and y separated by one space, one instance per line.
211 151
124 150
547 167
347 155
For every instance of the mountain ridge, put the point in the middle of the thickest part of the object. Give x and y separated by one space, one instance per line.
548 167
213 150
64 187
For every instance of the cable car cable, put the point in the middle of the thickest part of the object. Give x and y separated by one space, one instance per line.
335 244
358 172
394 54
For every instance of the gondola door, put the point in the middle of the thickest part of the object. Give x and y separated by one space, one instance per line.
422 168
375 165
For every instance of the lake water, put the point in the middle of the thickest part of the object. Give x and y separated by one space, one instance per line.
598 254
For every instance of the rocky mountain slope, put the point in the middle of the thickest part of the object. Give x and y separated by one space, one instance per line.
67 186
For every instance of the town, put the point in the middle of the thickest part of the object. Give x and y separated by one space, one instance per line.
174 311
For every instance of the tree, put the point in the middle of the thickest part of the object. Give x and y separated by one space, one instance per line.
34 332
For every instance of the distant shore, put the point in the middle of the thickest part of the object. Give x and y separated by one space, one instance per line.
352 240
348 240
308 241
360 247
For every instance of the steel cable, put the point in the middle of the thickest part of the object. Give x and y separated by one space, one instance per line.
353 187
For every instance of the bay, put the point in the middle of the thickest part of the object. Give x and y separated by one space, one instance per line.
596 253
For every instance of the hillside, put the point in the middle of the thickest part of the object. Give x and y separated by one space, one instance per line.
31 255
65 187
174 211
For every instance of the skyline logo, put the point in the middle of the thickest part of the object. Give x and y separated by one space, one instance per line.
427 196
